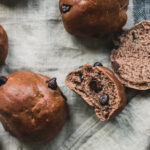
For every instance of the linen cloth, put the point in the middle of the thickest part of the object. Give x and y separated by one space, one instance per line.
39 43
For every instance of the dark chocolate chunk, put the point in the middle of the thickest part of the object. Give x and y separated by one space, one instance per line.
80 75
97 64
104 99
65 8
116 67
95 85
52 84
106 112
89 69
81 91
76 82
106 115
134 39
3 80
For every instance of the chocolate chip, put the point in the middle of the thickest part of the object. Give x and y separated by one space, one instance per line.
76 82
104 99
106 115
89 69
116 67
95 86
65 8
134 39
52 84
3 80
80 75
97 64
81 91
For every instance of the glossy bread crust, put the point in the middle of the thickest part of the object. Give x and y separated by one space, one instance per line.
29 109
93 18
3 45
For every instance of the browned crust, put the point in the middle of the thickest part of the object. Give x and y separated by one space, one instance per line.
29 109
123 81
122 99
3 45
94 18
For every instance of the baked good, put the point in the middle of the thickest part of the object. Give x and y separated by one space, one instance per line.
92 18
31 106
131 58
3 45
99 87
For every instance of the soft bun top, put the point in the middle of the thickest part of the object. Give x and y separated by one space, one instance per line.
93 18
29 109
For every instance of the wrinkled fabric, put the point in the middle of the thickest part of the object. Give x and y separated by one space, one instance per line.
39 43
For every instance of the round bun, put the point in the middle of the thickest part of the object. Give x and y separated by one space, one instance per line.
131 58
92 18
32 107
3 45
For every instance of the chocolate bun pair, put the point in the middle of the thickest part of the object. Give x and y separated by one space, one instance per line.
103 89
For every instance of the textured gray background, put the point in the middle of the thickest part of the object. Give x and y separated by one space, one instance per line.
39 43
